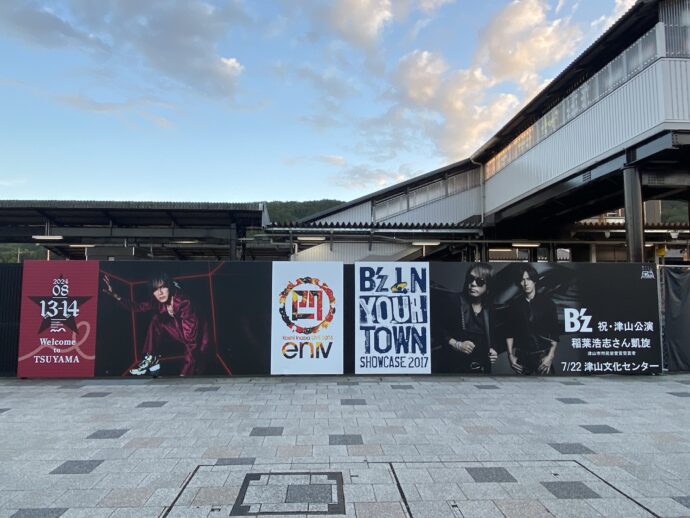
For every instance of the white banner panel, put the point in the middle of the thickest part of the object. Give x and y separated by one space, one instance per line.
392 318
307 318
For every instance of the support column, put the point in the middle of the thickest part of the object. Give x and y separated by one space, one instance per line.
634 214
233 242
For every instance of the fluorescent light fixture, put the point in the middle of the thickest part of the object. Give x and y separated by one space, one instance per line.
311 238
426 243
526 245
81 246
501 250
46 238
186 242
674 234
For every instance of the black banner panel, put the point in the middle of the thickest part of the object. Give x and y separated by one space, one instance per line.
10 300
183 319
677 315
544 318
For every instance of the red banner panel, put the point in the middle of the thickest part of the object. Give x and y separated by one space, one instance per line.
57 333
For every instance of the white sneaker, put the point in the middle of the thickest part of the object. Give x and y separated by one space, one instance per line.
149 364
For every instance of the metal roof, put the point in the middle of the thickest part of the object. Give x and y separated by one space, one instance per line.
175 230
640 18
454 168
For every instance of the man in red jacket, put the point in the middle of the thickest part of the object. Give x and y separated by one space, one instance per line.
174 318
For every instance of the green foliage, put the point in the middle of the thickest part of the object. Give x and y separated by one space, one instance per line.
8 252
674 211
288 211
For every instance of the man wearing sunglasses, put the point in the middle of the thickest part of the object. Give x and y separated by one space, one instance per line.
471 342
534 327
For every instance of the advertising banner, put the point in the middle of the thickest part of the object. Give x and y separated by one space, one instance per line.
392 334
307 320
173 318
57 336
544 318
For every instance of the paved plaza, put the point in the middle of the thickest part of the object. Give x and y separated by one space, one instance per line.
368 447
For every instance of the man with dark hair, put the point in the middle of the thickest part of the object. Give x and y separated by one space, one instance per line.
174 318
470 342
533 334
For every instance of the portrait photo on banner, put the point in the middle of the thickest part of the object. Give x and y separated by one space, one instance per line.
544 319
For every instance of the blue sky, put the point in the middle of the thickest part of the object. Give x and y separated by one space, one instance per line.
233 101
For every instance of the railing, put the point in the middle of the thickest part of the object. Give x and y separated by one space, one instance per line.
634 59
427 193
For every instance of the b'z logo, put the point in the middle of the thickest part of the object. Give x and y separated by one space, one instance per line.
647 272
577 320
307 305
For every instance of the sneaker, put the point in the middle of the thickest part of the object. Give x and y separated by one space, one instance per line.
150 364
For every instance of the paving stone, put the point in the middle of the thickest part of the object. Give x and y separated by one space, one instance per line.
96 394
80 498
402 387
490 475
207 389
309 493
108 434
266 431
487 387
477 509
40 513
76 467
346 402
345 440
523 508
238 461
570 490
151 404
437 509
126 498
216 496
680 394
348 383
571 401
570 448
571 383
379 510
683 500
599 428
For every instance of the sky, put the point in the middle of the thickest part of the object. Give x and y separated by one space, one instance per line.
261 100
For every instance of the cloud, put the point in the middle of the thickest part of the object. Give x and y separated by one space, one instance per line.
419 75
362 22
176 41
12 182
459 109
40 26
364 176
335 160
520 40
140 107
619 9
84 103
329 82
